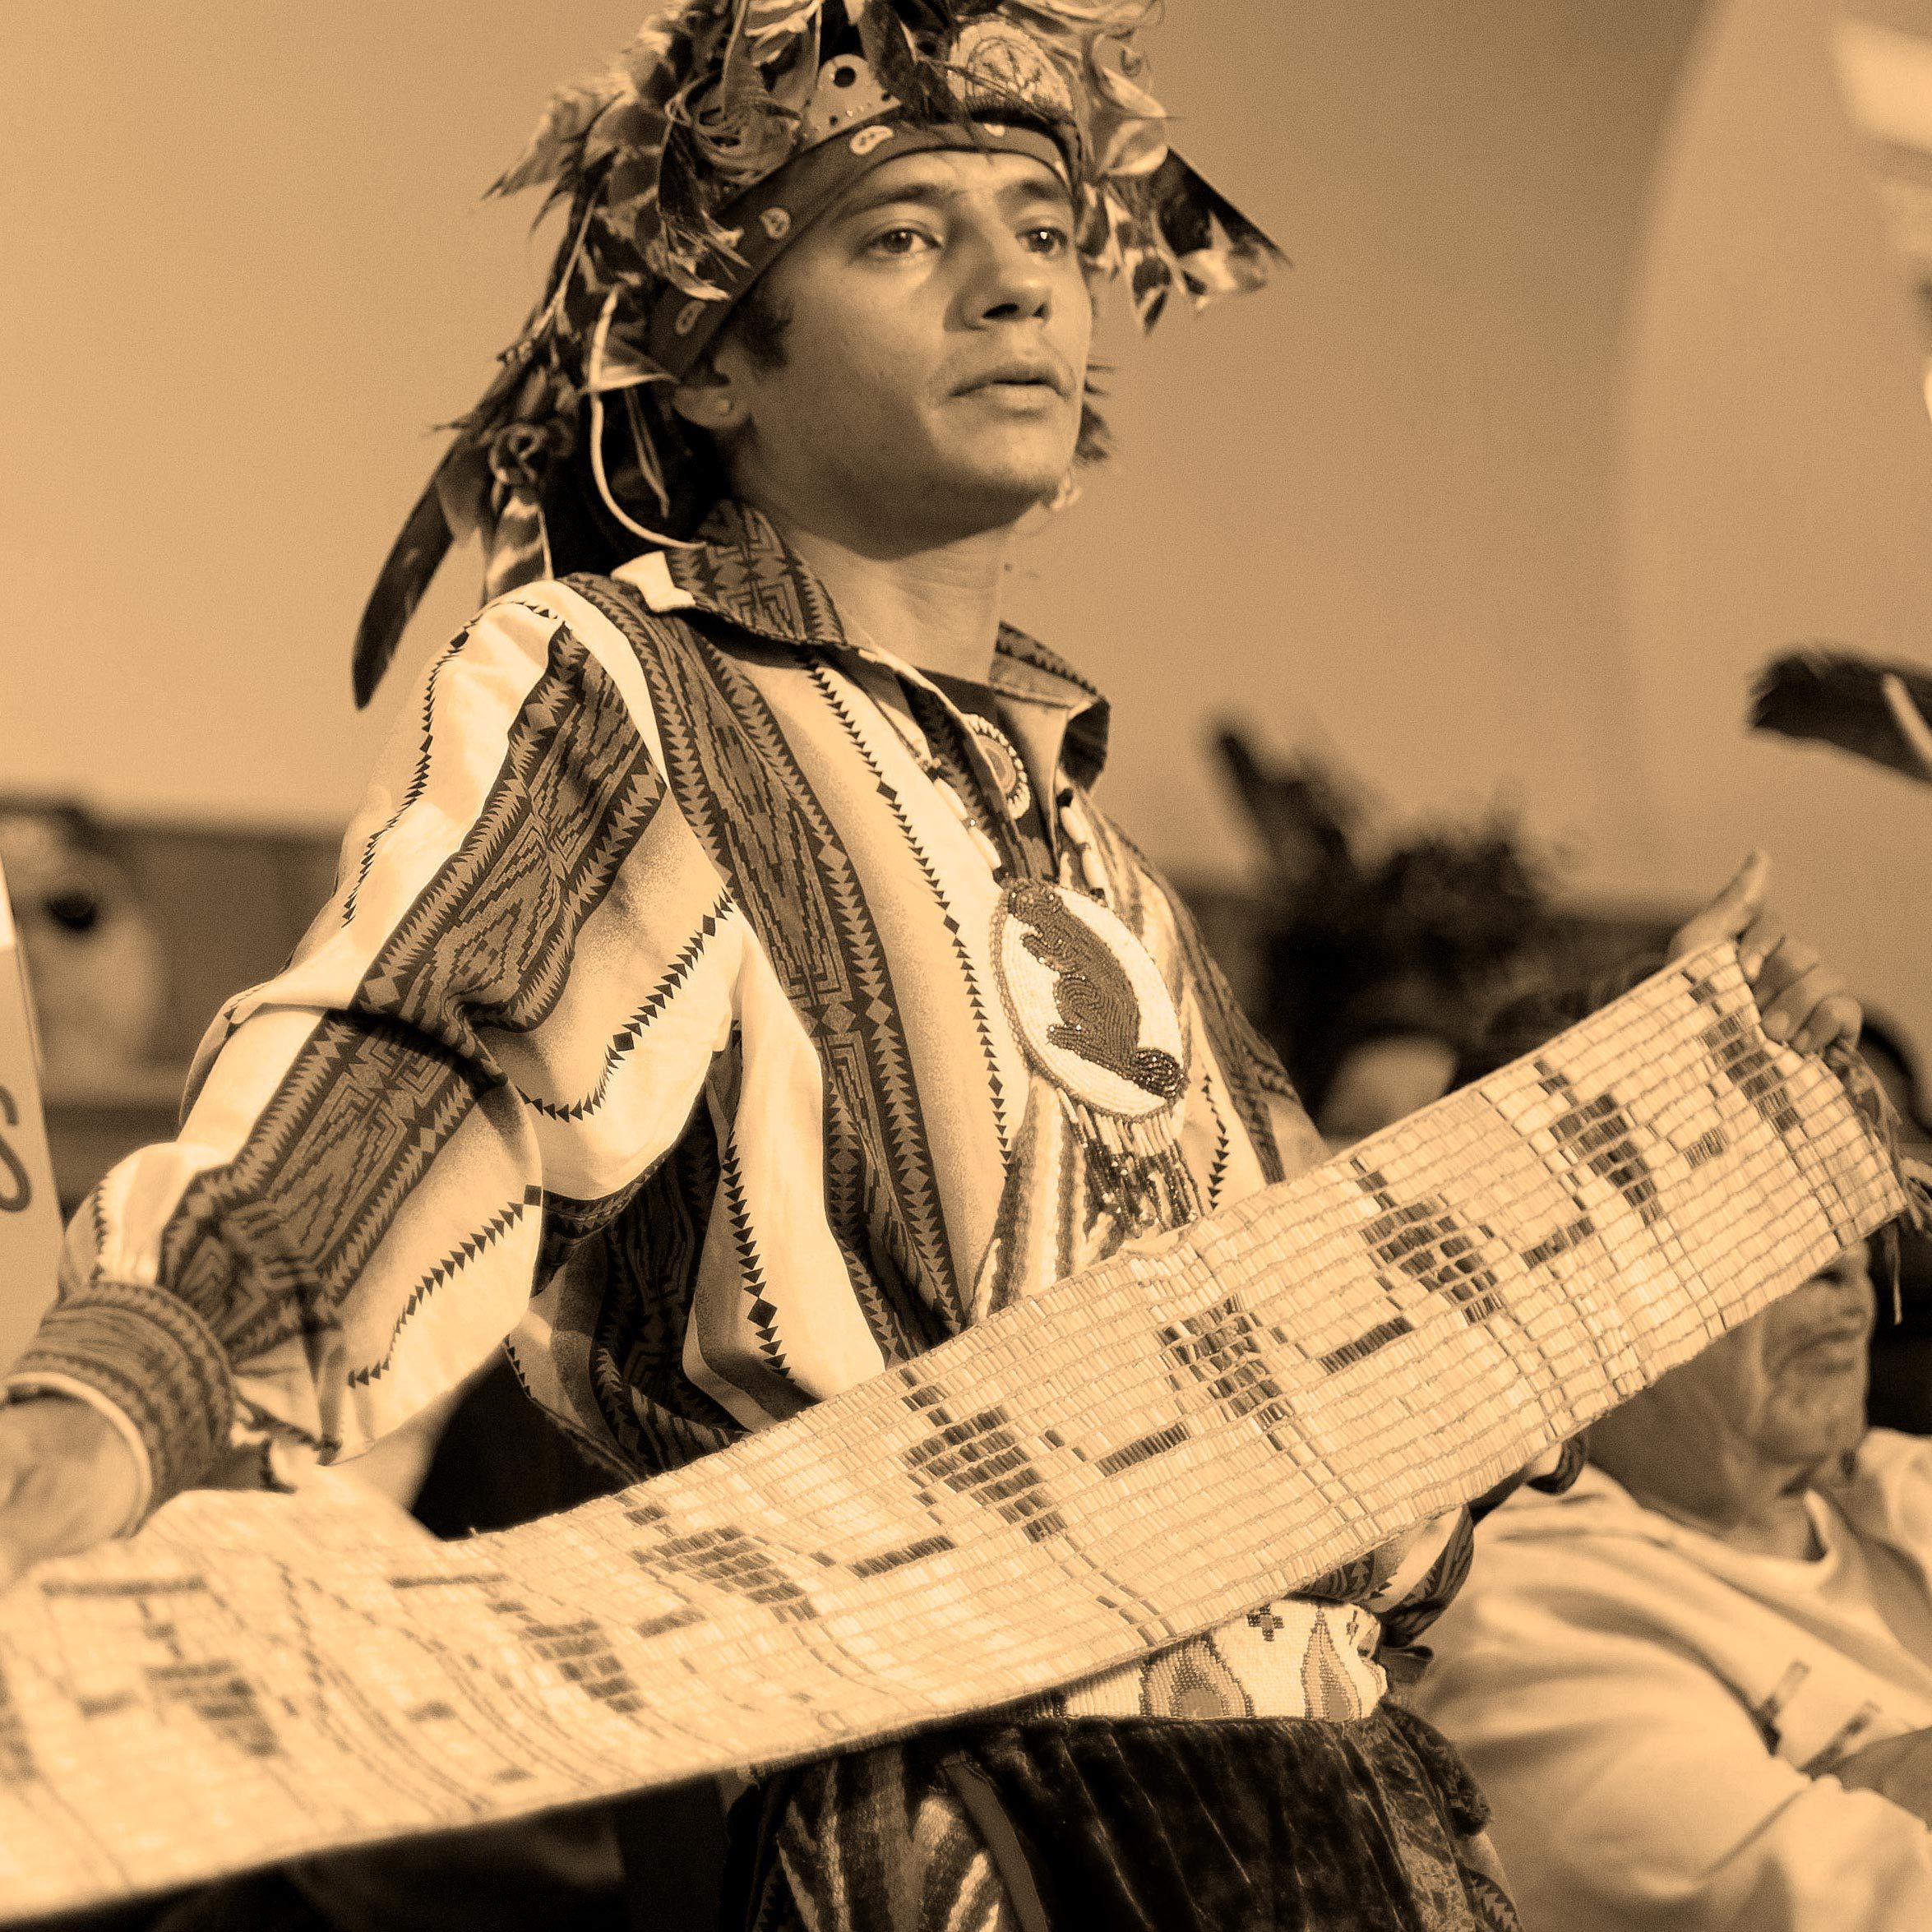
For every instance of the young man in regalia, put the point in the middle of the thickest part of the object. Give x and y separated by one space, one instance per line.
731 988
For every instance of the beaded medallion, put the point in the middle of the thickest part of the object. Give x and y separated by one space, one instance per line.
1087 1001
1009 773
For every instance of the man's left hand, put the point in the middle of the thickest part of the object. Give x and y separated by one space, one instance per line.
1804 1002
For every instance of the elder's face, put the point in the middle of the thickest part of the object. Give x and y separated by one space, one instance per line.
1789 1384
935 360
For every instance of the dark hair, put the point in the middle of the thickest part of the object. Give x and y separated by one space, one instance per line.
758 325
584 534
1424 943
1522 1026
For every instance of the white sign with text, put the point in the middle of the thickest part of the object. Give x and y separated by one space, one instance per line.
29 1213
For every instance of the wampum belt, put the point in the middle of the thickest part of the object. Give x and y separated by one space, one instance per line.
1135 1455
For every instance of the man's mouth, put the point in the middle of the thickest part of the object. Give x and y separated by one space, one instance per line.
1024 374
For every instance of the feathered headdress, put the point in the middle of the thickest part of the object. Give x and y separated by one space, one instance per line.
689 163
1864 705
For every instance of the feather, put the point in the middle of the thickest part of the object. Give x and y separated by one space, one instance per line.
451 504
611 112
572 111
626 134
1306 819
791 72
1196 218
738 133
413 562
687 233
1117 19
631 189
518 552
661 52
766 21
1873 709
1116 82
918 85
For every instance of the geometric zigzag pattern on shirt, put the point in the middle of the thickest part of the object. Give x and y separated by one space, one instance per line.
739 785
765 791
498 1225
364 1109
630 885
1078 1484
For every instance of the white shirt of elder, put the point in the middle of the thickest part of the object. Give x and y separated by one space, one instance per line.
1653 1714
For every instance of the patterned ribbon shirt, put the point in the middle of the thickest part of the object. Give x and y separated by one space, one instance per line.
677 1017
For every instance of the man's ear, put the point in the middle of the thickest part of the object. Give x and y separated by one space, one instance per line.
710 400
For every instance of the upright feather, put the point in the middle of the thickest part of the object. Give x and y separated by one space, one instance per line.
1874 709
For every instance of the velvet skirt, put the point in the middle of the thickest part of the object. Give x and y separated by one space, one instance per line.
1127 1825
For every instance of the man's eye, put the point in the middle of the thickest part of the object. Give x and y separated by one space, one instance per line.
1050 240
900 241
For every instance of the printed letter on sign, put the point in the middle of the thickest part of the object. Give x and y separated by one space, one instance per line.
30 1215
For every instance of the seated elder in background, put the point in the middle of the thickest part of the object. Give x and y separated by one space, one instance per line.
1697 1687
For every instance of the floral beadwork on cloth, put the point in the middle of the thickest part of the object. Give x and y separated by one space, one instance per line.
1009 774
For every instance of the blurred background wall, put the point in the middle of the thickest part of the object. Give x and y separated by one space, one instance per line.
1595 383
1776 485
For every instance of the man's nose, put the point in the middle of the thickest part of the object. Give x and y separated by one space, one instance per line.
1009 282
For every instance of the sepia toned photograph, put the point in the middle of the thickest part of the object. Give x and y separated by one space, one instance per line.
965 967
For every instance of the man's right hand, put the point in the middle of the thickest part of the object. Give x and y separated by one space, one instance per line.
1899 1768
67 1481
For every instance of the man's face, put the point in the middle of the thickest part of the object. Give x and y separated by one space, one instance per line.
934 360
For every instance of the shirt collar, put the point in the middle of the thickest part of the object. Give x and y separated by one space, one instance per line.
745 572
